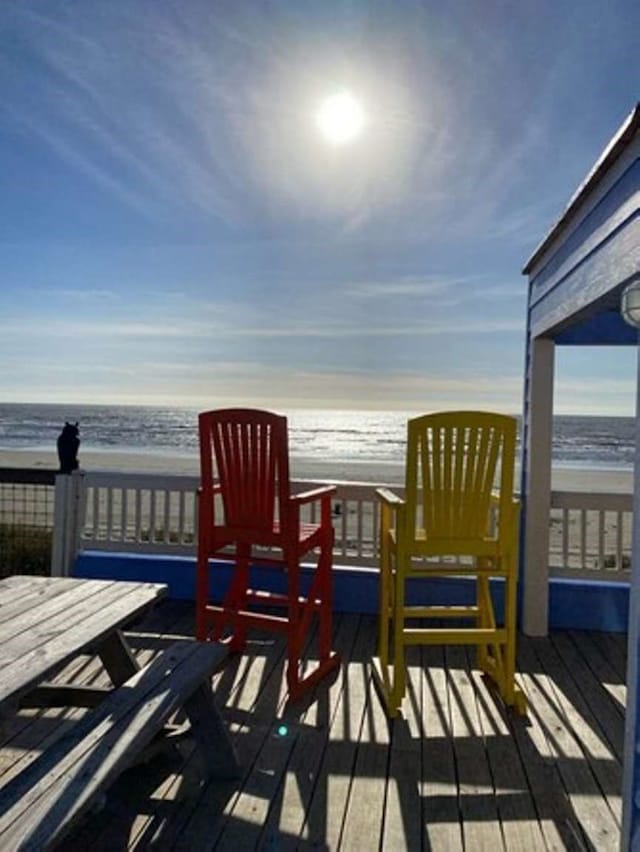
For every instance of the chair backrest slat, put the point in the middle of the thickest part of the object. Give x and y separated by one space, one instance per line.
455 460
246 450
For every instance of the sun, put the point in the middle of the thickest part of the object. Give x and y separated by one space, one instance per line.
340 118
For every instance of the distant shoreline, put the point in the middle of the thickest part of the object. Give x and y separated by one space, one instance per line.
563 478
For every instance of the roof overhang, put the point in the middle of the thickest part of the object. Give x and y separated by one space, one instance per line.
614 149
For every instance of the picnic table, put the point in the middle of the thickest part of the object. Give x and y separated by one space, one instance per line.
45 623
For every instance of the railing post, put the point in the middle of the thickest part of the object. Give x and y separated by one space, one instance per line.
68 520
60 522
78 501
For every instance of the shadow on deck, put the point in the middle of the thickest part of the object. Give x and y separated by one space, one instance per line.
455 771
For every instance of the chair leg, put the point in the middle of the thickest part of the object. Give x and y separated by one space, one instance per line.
490 658
514 696
202 596
325 560
381 663
498 660
239 598
485 618
399 676
384 611
234 600
320 601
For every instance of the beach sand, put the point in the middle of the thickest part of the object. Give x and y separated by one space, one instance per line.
563 479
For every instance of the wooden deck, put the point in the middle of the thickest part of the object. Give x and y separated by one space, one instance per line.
454 773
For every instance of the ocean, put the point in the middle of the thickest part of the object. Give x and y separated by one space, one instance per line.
336 436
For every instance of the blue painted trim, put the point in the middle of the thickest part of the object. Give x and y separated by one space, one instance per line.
588 605
607 329
573 604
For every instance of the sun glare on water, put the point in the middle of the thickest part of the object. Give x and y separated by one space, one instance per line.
340 118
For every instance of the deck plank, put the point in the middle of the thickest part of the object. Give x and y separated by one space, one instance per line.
285 825
365 805
278 728
594 817
605 672
588 697
614 650
256 692
576 704
403 820
326 814
441 812
123 816
478 806
453 766
516 808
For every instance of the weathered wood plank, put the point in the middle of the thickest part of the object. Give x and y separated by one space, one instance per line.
370 770
127 814
28 734
478 806
594 747
251 808
67 634
43 804
596 707
594 819
516 808
65 695
163 805
403 819
614 648
117 658
257 694
285 825
604 670
439 779
26 628
325 815
18 598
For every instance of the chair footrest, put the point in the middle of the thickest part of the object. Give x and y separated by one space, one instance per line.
471 611
451 636
41 804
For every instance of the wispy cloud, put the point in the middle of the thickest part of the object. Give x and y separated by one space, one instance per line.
81 330
145 145
407 286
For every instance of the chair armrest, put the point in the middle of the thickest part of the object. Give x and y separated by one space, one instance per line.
314 494
387 496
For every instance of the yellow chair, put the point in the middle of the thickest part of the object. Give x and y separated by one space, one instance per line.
458 519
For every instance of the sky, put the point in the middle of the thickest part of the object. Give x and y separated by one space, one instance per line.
176 228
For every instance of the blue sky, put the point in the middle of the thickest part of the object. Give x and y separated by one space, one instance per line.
175 228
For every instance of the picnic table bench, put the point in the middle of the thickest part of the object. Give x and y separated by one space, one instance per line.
44 623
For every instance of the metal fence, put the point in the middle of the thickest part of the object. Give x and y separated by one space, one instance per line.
26 520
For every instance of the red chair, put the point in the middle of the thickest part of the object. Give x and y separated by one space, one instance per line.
245 507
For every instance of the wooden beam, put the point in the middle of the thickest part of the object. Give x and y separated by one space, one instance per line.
65 695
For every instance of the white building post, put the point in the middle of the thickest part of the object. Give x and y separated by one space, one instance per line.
538 497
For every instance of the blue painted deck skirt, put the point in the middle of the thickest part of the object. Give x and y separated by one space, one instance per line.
573 604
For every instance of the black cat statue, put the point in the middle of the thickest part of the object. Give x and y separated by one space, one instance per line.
68 445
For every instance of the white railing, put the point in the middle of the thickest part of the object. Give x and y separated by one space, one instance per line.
157 513
590 535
